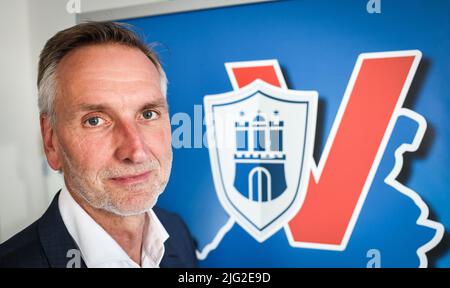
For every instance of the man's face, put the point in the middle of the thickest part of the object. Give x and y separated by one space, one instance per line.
112 133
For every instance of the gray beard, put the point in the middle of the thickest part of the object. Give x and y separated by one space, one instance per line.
102 201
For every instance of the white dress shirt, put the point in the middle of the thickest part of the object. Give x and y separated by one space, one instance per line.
98 249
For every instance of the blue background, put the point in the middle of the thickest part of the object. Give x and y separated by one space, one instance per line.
317 44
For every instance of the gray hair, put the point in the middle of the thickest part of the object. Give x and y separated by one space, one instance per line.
81 35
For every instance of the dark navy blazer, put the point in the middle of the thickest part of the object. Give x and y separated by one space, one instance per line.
46 243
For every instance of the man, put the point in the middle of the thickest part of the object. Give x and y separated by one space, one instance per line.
105 125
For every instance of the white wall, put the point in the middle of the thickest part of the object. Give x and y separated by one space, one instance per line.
96 5
27 185
22 194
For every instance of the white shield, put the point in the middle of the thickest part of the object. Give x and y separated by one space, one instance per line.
261 180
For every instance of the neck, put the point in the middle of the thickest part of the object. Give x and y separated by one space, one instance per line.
128 231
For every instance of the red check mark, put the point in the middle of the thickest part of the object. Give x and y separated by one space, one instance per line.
339 183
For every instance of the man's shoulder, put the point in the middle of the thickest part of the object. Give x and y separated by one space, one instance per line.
42 244
180 244
22 247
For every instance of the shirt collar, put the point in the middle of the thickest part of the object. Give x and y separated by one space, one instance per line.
98 248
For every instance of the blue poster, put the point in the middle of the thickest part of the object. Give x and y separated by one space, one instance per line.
310 133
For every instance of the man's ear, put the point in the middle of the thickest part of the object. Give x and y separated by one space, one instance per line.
49 139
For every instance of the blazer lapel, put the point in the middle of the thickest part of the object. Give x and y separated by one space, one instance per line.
55 239
170 258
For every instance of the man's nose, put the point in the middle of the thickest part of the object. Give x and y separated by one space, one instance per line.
131 147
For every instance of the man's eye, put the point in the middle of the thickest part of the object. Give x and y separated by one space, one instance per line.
149 115
93 121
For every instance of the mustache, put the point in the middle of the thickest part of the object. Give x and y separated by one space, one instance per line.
135 169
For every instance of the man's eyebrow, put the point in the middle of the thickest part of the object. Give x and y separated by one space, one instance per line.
92 107
162 104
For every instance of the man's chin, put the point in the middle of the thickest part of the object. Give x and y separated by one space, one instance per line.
129 210
134 203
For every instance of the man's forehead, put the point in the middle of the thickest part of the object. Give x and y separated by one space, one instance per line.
109 62
109 76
